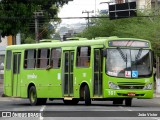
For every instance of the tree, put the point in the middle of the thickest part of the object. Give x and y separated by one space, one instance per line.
16 15
136 27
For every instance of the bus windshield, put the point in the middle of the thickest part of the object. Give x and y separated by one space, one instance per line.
131 63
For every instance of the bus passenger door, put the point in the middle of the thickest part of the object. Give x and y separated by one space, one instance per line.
98 61
16 74
68 73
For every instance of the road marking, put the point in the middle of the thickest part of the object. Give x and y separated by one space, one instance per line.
41 111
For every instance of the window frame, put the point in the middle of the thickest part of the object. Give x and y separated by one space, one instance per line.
41 57
80 63
8 66
25 65
59 58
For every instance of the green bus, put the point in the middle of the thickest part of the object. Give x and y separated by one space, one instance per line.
107 68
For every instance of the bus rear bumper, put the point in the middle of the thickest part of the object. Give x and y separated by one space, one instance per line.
141 94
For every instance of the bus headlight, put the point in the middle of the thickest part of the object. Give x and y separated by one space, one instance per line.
148 86
113 85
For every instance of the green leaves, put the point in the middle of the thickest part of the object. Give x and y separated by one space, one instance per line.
17 15
136 27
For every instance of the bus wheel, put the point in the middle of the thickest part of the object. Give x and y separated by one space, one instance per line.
33 97
87 98
128 101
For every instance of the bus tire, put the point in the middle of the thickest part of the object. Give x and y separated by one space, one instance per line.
87 98
128 101
33 97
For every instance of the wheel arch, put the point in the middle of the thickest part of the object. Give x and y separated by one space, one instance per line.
82 89
29 86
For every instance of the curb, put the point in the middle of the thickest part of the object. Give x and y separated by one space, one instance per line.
156 95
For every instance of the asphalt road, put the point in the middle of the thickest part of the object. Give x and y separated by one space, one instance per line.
141 109
145 109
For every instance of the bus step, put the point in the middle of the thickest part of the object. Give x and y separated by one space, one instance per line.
68 98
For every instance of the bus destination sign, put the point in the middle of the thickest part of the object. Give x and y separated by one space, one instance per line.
128 43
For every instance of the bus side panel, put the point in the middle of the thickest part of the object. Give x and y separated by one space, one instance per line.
82 75
8 82
24 91
24 82
24 85
8 74
55 83
48 83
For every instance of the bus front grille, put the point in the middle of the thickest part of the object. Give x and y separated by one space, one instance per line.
131 85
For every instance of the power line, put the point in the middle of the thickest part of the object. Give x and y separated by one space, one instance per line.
88 12
2 18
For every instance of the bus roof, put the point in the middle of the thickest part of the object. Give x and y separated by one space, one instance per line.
71 42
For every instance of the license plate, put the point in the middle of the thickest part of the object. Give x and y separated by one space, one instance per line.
131 94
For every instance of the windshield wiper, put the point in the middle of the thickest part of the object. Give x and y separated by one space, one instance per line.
139 54
137 57
122 54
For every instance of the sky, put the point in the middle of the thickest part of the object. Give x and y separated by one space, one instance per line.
76 7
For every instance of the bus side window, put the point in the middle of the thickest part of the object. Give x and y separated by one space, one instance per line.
56 57
8 59
29 58
83 56
43 58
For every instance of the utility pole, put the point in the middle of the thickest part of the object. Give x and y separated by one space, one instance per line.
88 12
36 27
36 15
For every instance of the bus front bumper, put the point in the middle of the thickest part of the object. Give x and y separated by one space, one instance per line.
141 94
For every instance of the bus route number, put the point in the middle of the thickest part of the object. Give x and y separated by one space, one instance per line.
111 92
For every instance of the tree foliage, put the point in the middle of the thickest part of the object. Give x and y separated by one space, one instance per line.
16 15
137 27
